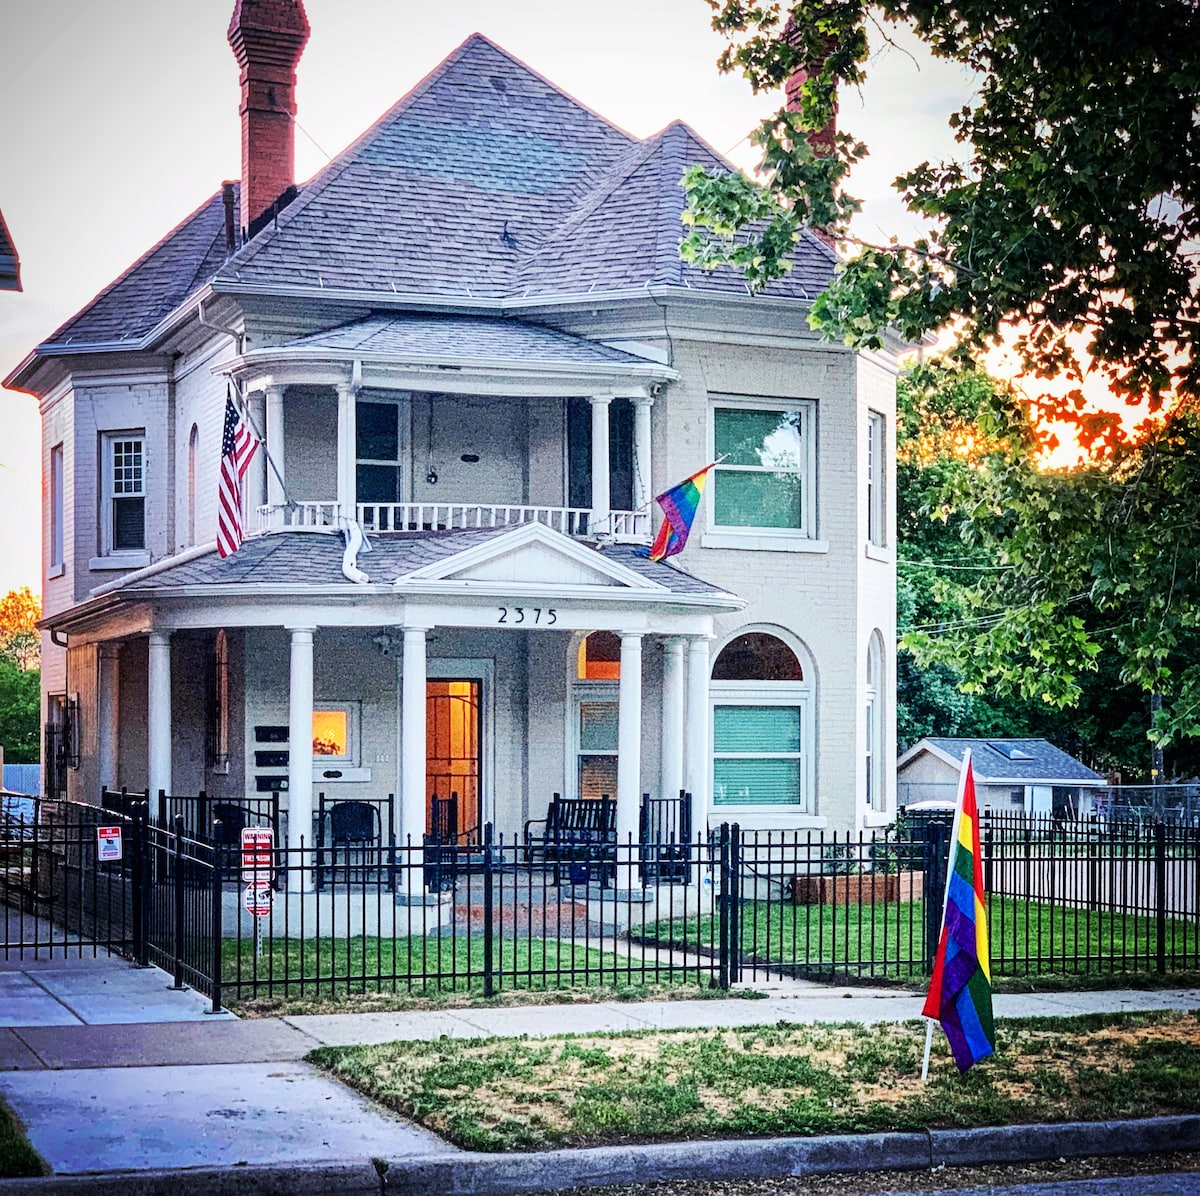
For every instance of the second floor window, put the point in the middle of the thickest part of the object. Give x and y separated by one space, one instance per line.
876 532
765 481
124 493
56 510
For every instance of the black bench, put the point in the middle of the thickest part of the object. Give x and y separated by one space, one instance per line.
578 834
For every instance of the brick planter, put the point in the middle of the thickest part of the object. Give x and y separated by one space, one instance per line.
869 888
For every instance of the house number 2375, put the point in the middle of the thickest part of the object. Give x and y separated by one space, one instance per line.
528 614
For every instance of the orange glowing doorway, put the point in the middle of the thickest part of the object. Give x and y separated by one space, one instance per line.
452 751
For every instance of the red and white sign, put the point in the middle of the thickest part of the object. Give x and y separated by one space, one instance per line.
258 855
108 844
256 899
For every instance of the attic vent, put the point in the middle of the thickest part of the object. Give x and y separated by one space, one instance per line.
1010 751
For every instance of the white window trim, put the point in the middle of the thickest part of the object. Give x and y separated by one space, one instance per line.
57 562
404 455
768 693
353 712
583 691
801 539
110 557
877 537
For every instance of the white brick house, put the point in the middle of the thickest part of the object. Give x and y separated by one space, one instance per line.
472 333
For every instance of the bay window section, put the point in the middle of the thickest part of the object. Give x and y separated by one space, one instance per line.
122 538
756 755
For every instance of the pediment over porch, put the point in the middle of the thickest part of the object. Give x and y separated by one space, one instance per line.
532 555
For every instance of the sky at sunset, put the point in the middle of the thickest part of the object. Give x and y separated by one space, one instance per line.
117 118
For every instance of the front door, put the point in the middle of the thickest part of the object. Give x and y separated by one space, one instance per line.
453 742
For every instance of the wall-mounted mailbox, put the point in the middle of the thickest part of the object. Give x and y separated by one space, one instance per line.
267 734
270 759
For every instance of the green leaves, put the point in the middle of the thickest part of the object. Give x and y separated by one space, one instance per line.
1072 214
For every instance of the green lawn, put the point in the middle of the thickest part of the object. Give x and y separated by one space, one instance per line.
374 973
17 1158
886 940
600 1089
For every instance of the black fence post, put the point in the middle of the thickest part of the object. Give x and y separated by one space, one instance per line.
137 849
218 929
1160 892
489 944
735 904
723 901
177 881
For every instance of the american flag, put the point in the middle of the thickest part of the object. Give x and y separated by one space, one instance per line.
237 448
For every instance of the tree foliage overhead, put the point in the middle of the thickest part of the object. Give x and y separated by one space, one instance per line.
1072 215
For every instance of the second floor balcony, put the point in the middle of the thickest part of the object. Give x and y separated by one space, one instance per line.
425 423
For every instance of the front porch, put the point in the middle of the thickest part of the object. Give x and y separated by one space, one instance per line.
501 666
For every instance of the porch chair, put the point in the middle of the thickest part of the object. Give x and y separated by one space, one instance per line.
354 829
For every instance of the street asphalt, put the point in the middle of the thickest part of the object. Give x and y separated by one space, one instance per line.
115 1073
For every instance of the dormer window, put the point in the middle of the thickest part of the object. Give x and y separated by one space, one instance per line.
123 496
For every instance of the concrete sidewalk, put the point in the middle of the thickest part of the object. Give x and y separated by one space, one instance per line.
185 1094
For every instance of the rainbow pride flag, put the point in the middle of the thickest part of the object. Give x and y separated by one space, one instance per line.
679 505
960 992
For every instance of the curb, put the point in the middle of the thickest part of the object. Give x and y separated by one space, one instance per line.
474 1174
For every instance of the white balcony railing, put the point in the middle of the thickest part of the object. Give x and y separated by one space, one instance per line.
626 526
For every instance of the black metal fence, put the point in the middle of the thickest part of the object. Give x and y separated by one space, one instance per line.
1064 898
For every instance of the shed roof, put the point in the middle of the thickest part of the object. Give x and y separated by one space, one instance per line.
1017 760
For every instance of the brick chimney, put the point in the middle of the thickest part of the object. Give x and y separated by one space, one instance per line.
822 139
268 37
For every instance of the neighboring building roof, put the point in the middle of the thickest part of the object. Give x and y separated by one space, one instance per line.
1018 760
305 558
10 263
485 183
413 337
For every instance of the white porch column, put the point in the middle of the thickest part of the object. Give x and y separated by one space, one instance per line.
256 478
300 767
672 717
412 756
697 765
275 495
641 455
601 503
107 713
347 448
629 753
158 716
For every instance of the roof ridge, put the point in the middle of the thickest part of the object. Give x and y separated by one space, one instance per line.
626 166
104 292
668 263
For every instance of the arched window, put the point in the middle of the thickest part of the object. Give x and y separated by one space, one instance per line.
594 710
600 657
193 454
762 724
873 730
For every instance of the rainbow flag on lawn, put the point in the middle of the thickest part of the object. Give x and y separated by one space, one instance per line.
960 992
679 505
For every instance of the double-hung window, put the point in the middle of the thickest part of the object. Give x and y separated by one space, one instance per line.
123 493
56 511
763 486
876 531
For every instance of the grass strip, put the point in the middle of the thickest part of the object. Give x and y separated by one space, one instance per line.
18 1159
611 1089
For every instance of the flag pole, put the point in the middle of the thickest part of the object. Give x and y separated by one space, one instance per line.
958 810
262 440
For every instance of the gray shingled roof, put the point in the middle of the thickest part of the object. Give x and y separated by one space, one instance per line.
315 559
484 182
413 337
988 760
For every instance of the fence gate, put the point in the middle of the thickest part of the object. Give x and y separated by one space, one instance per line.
66 889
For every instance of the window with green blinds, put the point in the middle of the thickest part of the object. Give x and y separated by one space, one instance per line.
757 755
759 479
